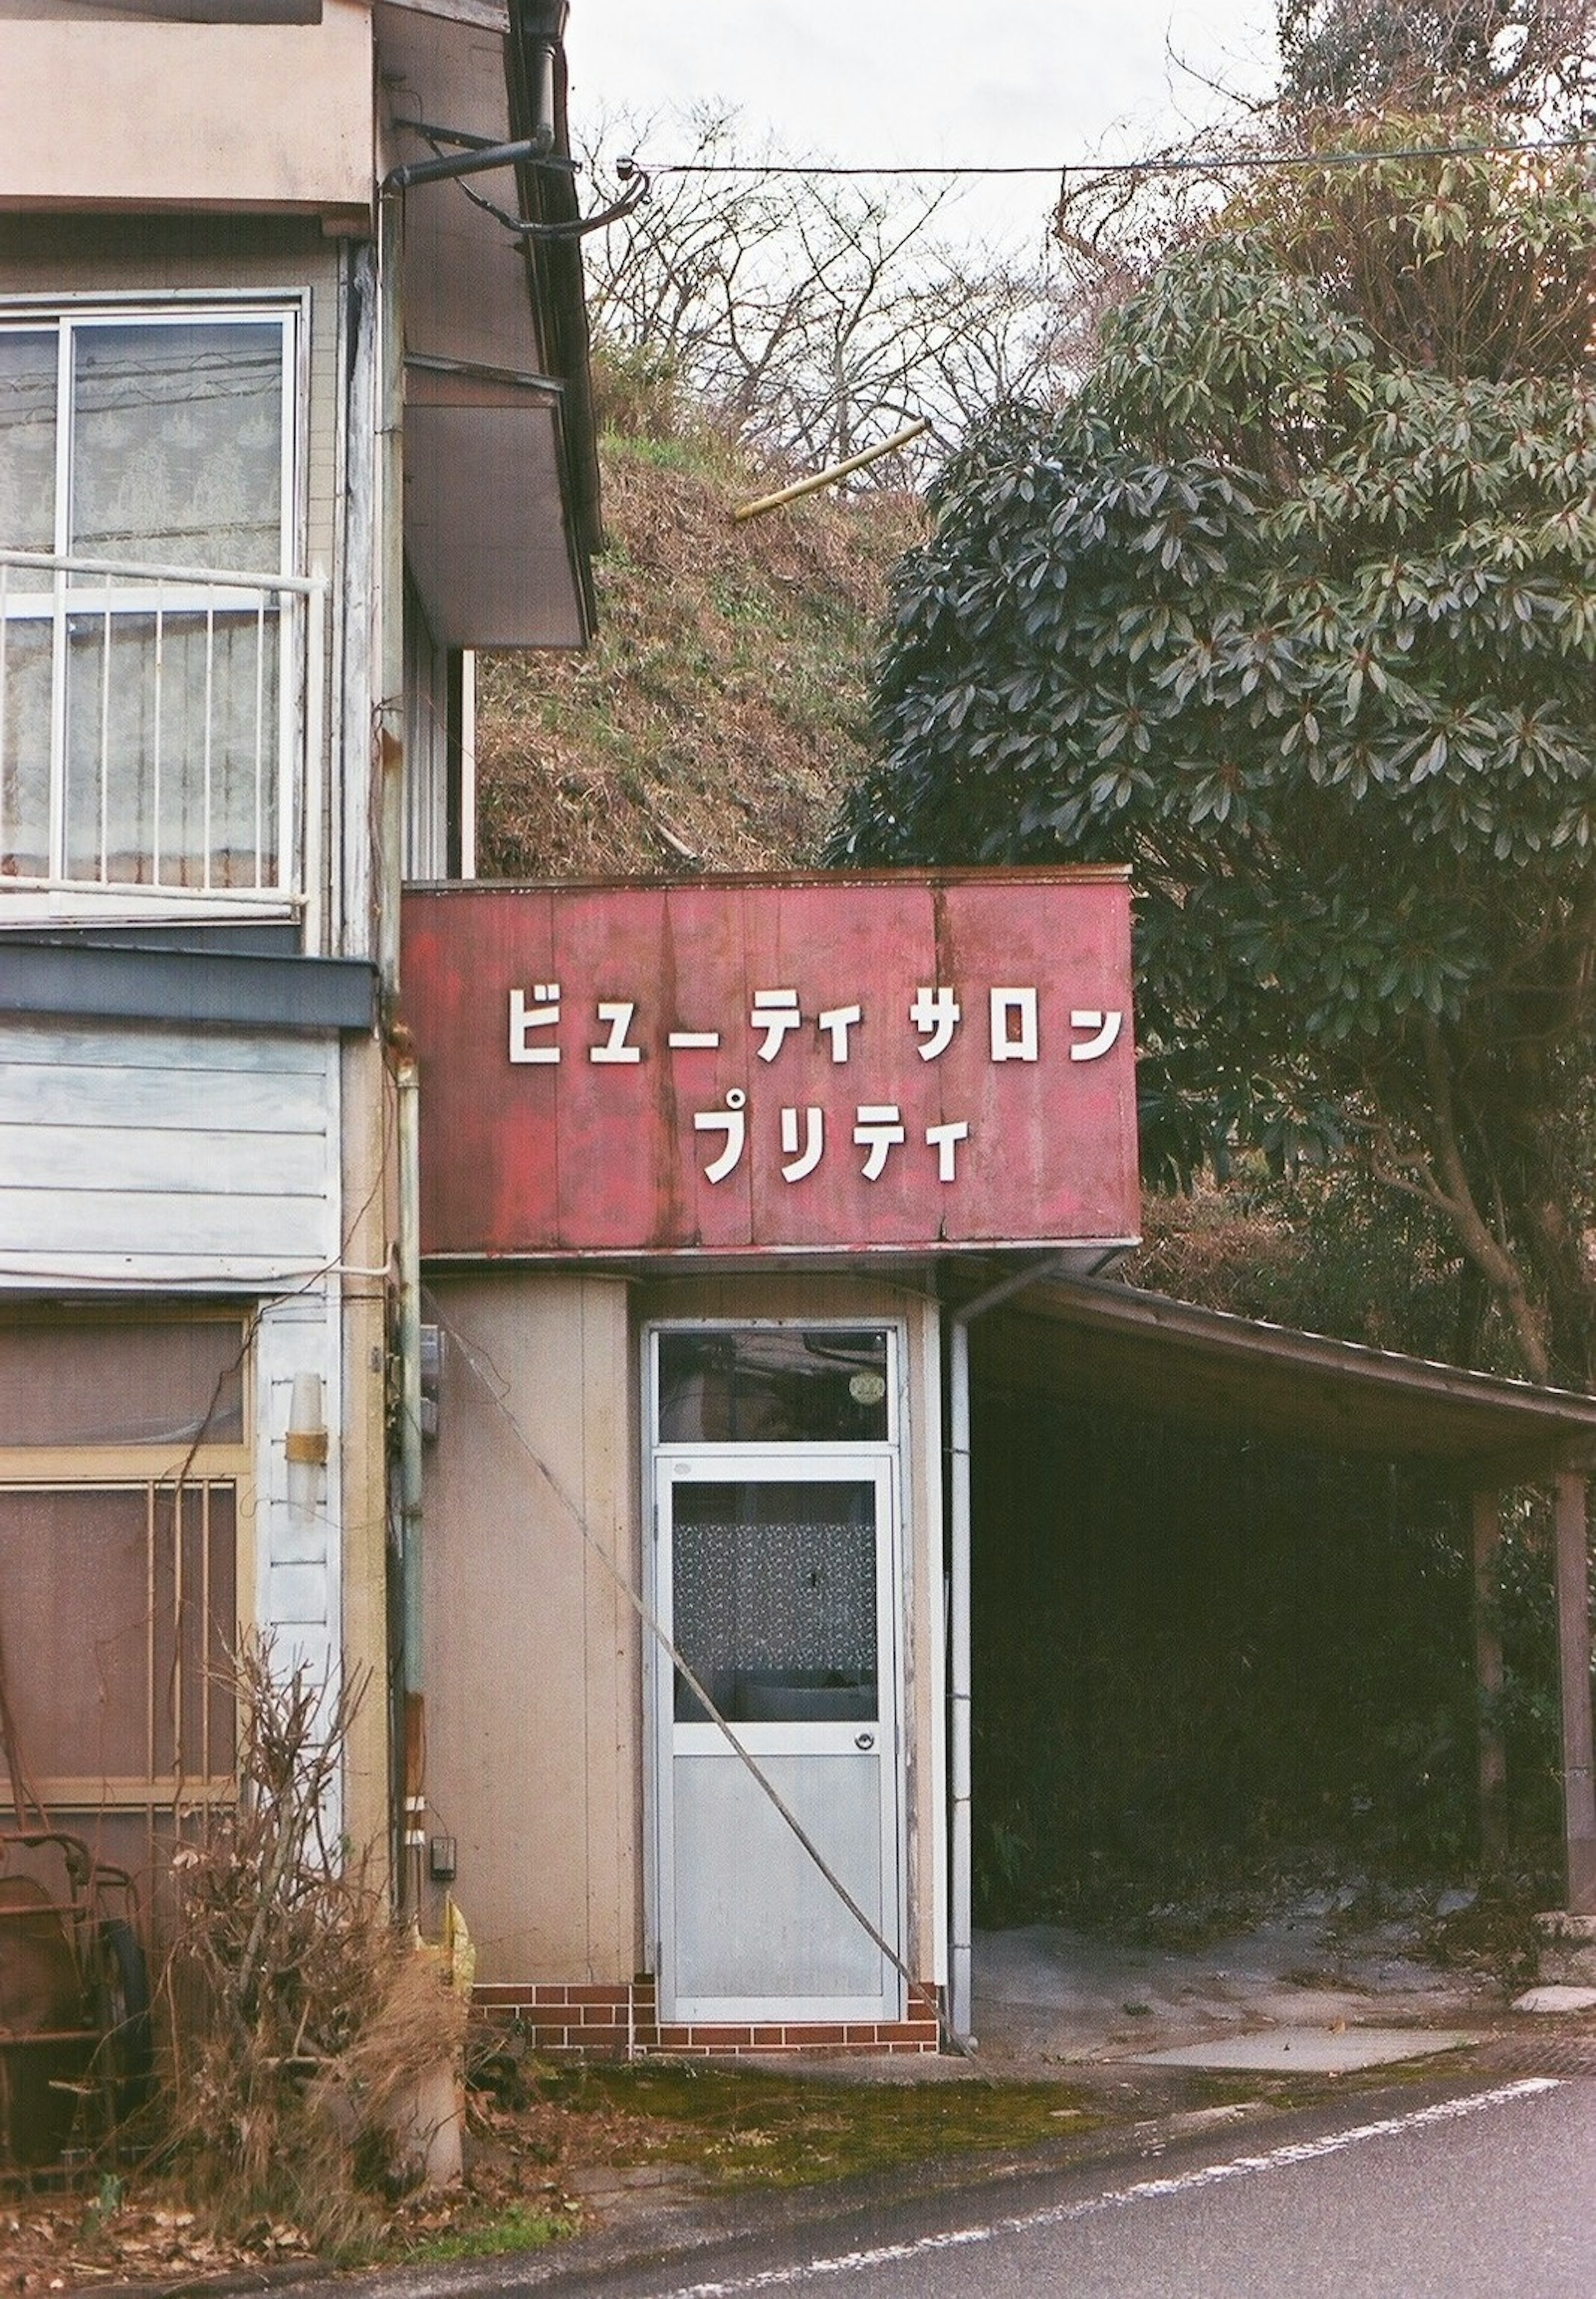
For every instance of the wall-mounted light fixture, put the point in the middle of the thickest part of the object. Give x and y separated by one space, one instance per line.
305 1446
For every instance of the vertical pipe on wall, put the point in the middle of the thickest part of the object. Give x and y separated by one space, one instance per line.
388 798
355 639
959 1910
1574 1657
467 763
408 1093
315 764
388 733
960 1618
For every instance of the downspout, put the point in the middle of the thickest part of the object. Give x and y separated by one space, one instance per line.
388 731
413 1834
388 771
960 1926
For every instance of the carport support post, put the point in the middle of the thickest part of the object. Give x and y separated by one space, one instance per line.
1488 1674
1573 1665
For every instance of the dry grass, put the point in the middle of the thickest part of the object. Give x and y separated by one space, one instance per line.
301 2018
722 709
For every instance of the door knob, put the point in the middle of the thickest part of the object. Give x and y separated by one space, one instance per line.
864 1739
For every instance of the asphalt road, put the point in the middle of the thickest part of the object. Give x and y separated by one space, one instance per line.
1488 2191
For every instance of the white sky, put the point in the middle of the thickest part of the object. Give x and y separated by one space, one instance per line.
923 81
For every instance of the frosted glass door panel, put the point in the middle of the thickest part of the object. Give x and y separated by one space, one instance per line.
775 1600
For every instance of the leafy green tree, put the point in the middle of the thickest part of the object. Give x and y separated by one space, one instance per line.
1522 57
1293 609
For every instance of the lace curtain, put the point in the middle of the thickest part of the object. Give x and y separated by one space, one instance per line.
28 367
176 448
774 1595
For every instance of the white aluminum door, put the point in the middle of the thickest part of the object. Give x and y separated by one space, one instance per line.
777 1583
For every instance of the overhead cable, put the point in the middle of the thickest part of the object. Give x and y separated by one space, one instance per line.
1182 164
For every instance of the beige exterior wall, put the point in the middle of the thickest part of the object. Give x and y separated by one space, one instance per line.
536 1758
369 1147
116 112
532 1659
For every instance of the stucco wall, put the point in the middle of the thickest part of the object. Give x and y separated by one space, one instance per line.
534 1749
531 1648
124 113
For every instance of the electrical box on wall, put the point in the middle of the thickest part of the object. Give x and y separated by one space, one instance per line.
432 1377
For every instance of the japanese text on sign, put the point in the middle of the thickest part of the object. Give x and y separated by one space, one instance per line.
817 1064
935 1015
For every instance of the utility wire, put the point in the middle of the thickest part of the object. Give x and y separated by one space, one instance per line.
1093 170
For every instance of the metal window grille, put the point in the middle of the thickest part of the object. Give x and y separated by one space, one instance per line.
161 666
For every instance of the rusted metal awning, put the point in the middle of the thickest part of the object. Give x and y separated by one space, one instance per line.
1097 1341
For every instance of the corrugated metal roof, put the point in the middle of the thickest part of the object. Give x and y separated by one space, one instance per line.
1099 1342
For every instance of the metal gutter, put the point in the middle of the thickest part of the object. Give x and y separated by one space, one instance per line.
537 94
130 982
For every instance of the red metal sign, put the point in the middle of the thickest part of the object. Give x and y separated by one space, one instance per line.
726 1066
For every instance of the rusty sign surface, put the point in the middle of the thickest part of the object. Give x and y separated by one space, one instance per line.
840 1063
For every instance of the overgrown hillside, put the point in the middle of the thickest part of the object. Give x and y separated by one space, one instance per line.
722 712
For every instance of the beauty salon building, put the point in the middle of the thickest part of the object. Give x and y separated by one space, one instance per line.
713 1176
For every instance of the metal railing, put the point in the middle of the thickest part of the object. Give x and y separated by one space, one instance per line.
161 733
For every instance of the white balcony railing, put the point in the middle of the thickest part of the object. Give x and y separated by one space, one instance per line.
159 737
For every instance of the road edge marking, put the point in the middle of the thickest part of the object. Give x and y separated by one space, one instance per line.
1208 2175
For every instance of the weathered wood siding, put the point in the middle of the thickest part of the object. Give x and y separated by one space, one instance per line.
298 1559
167 1162
133 1157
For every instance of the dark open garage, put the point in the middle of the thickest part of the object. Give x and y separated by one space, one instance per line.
1237 1603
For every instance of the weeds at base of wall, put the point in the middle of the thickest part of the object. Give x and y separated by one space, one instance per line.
301 2021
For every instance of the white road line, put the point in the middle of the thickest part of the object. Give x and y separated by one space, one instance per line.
1239 2167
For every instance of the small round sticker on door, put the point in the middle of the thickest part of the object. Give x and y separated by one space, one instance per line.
868 1388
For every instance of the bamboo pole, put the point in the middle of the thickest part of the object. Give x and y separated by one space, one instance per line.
1573 1652
1489 1677
756 509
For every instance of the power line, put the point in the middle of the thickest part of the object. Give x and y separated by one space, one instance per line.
1093 170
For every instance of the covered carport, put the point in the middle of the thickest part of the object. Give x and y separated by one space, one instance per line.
1096 1346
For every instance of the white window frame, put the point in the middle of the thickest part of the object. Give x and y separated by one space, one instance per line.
51 587
658 1455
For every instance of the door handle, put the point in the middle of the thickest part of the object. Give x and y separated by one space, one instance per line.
864 1739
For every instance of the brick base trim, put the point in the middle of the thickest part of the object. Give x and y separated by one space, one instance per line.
619 2021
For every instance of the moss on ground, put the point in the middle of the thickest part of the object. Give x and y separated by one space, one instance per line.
519 2229
743 2127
